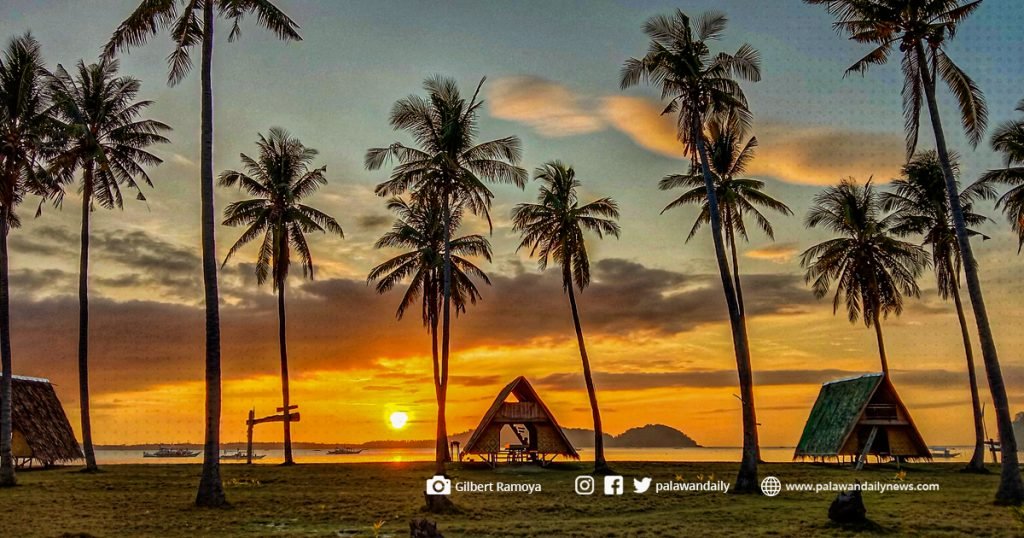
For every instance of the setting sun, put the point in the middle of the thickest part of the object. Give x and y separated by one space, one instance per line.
398 419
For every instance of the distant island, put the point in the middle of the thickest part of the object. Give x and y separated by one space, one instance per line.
649 436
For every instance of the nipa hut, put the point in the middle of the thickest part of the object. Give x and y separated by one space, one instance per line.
537 435
42 433
860 416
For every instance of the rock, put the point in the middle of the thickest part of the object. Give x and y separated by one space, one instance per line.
848 507
423 528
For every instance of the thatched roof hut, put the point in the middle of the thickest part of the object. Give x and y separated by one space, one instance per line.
42 432
540 437
859 416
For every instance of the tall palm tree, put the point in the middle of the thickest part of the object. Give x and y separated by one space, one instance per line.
553 228
1009 140
450 168
921 29
280 179
920 207
25 126
418 231
730 151
191 23
106 139
871 269
698 84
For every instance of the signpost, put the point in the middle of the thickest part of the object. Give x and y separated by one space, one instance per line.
252 421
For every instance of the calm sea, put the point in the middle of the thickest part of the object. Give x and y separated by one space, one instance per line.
771 454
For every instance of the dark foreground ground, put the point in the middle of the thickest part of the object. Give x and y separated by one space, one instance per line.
347 500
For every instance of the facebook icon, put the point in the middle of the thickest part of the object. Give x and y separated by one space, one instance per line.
613 485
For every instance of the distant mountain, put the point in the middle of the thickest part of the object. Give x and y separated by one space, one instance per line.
649 436
581 437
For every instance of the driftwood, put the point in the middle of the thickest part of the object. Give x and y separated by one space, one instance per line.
423 528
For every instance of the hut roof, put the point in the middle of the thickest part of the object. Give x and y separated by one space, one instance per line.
524 393
841 404
38 415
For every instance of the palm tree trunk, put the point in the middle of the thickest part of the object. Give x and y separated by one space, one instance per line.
285 395
600 464
441 445
7 477
83 325
746 479
977 463
881 343
731 236
1011 487
211 490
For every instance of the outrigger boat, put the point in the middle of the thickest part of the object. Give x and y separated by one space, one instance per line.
239 455
165 452
943 452
344 451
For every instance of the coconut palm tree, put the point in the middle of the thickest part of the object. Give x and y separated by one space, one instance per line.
921 29
25 129
730 151
871 269
104 138
698 84
418 231
191 23
553 229
449 168
920 207
1009 140
280 179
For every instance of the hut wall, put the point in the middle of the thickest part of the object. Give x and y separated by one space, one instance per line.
21 448
900 443
548 440
851 446
490 440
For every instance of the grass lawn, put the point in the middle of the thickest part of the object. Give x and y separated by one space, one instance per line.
347 499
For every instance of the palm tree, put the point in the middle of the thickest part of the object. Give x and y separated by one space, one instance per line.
921 208
1009 140
698 84
190 23
921 29
105 138
25 126
449 169
553 228
280 179
418 231
730 154
871 269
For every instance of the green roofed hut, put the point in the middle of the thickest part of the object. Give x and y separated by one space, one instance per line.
42 433
537 437
860 416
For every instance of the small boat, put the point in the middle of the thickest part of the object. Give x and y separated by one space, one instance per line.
165 452
239 455
944 452
344 451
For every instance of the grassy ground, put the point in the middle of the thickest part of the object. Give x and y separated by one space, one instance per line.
346 500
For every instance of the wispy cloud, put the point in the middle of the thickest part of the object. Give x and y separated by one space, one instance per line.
548 107
775 252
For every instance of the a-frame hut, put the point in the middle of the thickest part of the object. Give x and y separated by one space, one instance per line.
857 417
540 438
42 433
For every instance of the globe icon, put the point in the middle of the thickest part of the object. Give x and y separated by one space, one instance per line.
771 486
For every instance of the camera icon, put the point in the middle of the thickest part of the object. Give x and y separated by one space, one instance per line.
439 485
584 485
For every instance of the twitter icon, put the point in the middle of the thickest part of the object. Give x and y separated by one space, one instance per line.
641 485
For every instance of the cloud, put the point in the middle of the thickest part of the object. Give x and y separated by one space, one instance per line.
804 154
548 107
775 252
608 381
374 222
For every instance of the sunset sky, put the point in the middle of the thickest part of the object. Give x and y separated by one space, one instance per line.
654 317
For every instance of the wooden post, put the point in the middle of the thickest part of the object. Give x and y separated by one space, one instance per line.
248 443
